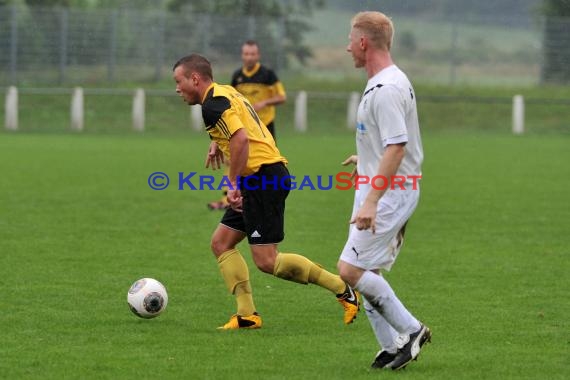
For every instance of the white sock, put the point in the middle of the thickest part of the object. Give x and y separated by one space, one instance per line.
382 298
385 334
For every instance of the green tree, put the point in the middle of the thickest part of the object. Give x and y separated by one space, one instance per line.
48 3
92 4
294 14
557 8
556 42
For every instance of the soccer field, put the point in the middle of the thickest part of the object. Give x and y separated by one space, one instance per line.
485 263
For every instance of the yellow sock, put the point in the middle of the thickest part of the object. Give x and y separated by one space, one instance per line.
244 299
236 276
327 280
297 268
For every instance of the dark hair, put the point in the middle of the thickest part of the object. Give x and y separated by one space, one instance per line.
195 63
251 43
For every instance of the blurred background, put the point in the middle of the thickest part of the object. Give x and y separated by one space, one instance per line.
88 110
460 47
441 41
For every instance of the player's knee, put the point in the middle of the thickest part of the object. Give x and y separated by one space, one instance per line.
348 274
219 246
265 265
343 270
264 257
344 274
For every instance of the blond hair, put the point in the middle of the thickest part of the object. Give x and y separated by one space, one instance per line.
377 27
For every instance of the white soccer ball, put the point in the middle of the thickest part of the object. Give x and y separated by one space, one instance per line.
147 298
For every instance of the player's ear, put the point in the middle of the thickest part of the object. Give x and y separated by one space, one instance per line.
195 78
363 43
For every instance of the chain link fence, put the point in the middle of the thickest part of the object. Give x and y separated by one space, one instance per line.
65 45
59 46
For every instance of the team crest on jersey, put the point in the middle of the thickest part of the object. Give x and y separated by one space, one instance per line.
360 127
239 79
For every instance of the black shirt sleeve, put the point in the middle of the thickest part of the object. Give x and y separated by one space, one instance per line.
271 77
212 110
234 77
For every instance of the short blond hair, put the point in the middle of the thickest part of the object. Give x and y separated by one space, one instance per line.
377 27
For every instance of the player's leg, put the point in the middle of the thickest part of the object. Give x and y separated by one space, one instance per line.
365 252
297 268
380 295
264 211
234 270
385 334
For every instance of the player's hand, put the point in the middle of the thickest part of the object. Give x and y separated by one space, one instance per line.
215 157
235 199
365 217
259 106
351 160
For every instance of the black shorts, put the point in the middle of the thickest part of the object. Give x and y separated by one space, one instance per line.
263 215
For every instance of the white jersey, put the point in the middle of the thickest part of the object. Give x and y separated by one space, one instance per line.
387 114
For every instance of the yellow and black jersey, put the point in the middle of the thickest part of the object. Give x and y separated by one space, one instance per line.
259 84
225 111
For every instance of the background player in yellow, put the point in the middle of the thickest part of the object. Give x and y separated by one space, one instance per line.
260 85
258 205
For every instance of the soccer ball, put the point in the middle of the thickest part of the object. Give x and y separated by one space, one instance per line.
147 298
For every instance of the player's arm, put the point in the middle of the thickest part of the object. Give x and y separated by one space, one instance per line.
271 101
278 95
239 153
218 112
389 114
353 159
391 160
365 218
214 157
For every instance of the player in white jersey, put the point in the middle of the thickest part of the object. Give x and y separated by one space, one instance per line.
389 158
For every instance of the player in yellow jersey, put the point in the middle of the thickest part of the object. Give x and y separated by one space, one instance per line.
257 202
259 84
261 87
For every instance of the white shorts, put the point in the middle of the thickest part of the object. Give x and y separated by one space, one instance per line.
379 250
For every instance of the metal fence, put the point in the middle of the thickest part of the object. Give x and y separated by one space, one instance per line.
63 45
67 46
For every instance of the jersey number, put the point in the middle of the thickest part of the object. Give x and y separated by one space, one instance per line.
254 115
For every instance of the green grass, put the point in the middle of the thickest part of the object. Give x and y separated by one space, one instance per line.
485 262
